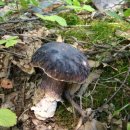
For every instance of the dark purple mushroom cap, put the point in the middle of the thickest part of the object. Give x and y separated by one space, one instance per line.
62 62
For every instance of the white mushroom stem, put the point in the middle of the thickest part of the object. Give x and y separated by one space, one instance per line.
52 91
45 108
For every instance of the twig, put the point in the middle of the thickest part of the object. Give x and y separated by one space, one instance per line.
102 46
122 49
93 88
80 122
112 59
34 37
16 54
75 105
18 21
123 83
114 76
75 26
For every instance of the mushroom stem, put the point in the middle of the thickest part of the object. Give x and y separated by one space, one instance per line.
52 90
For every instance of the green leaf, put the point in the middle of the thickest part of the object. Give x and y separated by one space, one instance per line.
24 4
69 2
128 126
114 15
7 118
2 3
88 8
49 18
127 12
74 7
2 41
12 38
60 20
10 43
118 111
76 3
53 18
35 2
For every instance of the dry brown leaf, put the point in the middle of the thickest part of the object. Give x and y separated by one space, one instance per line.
6 83
94 64
59 38
2 97
59 128
93 125
24 117
40 125
50 8
73 88
10 101
125 34
5 60
31 42
92 76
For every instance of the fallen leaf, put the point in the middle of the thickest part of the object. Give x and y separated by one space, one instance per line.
6 83
123 34
51 8
32 40
5 60
9 101
92 76
93 125
94 64
59 38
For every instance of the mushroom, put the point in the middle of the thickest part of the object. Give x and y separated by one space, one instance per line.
62 64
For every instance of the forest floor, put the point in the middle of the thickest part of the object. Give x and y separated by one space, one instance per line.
105 42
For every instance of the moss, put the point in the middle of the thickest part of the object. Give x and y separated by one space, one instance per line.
64 117
72 19
108 82
102 31
97 32
78 32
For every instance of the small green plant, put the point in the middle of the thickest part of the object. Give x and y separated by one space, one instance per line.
26 3
1 3
128 126
53 18
101 31
127 12
75 4
118 111
114 15
11 41
72 19
7 118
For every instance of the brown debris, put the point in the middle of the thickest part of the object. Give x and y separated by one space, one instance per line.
5 59
31 42
93 125
6 83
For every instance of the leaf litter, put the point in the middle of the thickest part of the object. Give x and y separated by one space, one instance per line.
19 83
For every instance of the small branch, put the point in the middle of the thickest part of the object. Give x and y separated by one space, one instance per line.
123 83
19 21
75 105
13 53
80 123
34 37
